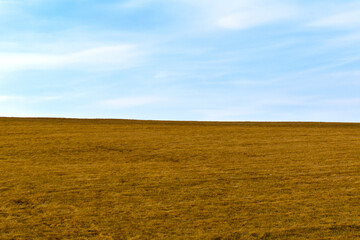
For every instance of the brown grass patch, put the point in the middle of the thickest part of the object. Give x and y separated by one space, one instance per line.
118 179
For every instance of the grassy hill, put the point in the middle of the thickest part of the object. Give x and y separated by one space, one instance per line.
122 179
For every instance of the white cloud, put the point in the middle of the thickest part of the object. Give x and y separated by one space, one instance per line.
311 108
20 1
10 98
228 14
130 102
226 113
344 40
340 102
243 14
7 1
133 4
255 14
101 58
29 99
345 19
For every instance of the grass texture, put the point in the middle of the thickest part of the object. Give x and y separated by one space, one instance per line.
123 179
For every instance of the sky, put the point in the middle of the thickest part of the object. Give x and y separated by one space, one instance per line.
228 60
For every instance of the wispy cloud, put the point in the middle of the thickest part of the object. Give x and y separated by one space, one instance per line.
131 4
130 101
311 107
224 114
21 1
230 14
4 2
29 99
254 14
100 58
10 98
348 19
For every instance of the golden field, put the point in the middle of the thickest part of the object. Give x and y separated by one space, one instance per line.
123 179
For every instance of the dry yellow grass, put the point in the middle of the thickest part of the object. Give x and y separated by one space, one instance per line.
118 179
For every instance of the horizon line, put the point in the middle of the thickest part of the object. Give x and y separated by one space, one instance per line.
169 120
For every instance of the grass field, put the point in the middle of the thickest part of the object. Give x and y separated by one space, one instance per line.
119 179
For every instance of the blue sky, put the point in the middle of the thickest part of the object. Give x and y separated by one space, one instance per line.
243 60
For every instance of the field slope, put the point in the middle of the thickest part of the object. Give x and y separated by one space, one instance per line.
122 179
